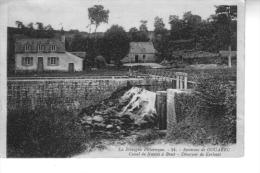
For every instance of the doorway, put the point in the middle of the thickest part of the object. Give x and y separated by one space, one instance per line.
136 58
71 67
40 64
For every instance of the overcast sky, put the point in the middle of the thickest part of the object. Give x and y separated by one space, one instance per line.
127 13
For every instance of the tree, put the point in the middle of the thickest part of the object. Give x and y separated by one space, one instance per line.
161 41
48 28
19 24
176 27
190 25
226 24
97 15
115 44
158 25
133 34
191 19
143 26
39 26
30 25
137 36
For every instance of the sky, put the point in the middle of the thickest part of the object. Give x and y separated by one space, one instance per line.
127 13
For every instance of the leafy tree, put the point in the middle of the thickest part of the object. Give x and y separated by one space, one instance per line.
30 25
115 44
158 24
143 26
133 34
191 19
137 36
19 24
191 24
48 28
226 24
176 27
78 43
161 41
97 15
40 26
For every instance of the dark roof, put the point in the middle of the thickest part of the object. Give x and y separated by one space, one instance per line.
34 42
142 47
79 54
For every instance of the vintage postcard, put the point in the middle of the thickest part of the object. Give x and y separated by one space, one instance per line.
130 78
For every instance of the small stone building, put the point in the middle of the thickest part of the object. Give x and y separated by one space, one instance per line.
140 52
45 54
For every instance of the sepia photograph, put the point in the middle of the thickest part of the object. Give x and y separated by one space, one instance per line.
124 79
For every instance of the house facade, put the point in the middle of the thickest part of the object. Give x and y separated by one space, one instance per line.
140 52
45 54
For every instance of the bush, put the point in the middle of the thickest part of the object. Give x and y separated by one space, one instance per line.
44 133
208 114
219 95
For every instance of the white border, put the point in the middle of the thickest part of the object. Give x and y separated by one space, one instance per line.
248 163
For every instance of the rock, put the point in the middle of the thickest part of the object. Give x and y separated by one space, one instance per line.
110 104
118 127
98 118
109 126
122 131
100 125
87 118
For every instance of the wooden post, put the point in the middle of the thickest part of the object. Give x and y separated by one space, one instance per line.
185 82
181 82
177 81
229 56
161 108
171 115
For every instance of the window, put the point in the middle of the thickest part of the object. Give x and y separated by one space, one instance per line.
53 47
27 47
53 61
27 61
143 56
40 47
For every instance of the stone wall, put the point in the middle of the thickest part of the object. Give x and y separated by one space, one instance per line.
72 93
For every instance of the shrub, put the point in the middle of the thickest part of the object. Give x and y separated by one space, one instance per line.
208 114
44 133
219 95
191 123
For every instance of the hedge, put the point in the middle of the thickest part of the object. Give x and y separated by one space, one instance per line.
208 115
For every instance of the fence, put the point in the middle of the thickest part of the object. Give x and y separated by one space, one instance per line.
165 101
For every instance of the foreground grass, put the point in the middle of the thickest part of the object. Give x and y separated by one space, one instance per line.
45 132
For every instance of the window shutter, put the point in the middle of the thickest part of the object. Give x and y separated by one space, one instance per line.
31 61
49 59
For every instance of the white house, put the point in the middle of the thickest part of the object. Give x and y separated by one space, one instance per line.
45 54
140 52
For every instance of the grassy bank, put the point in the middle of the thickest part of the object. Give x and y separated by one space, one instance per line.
45 132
